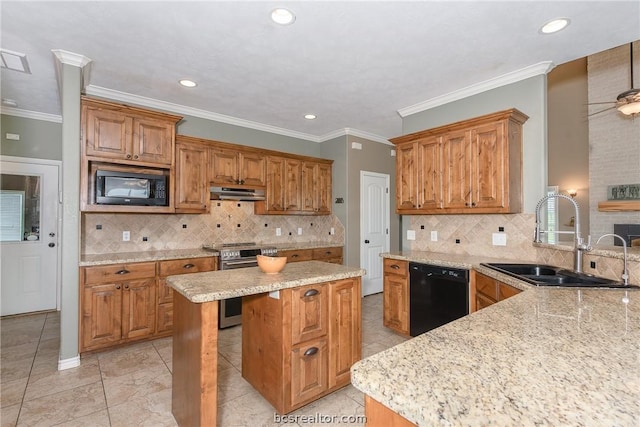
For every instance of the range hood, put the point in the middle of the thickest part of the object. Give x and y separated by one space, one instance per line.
243 194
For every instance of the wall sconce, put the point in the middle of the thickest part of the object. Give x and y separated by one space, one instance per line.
572 193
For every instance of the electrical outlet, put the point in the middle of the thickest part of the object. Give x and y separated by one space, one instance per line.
299 231
332 231
434 236
278 231
126 236
499 239
411 234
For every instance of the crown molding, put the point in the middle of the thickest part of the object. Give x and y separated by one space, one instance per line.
11 111
70 58
355 132
505 79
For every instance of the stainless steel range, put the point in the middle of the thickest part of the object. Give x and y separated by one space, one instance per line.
232 256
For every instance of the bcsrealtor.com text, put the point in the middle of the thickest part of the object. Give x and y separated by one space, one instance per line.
319 418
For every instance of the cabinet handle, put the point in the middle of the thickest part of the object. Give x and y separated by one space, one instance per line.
123 271
473 204
117 286
187 266
128 156
126 286
311 351
311 292
295 256
395 266
135 157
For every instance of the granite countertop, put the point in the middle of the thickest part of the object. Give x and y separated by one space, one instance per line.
547 356
223 284
128 257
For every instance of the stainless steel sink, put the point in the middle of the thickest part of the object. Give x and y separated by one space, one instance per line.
548 275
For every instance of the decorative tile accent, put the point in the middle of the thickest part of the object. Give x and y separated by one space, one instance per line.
165 232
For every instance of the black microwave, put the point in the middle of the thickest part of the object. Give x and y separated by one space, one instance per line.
135 189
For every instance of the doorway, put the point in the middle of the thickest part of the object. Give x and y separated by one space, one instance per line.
29 235
374 228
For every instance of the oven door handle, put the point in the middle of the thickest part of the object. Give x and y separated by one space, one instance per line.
248 263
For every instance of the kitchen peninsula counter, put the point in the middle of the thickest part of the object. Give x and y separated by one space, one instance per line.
195 334
547 356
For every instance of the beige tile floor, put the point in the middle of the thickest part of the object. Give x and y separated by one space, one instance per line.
131 386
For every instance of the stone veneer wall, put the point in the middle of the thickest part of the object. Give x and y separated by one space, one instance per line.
228 222
475 233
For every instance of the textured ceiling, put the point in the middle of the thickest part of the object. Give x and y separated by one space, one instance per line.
353 64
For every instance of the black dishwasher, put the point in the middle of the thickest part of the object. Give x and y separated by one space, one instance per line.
437 295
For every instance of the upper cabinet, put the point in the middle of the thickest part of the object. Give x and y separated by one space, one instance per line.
234 167
472 166
192 166
117 133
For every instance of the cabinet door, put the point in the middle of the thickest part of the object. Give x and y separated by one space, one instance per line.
309 305
456 167
396 295
489 165
101 315
191 177
108 134
274 194
429 173
309 179
505 291
293 185
152 141
138 308
324 190
224 166
252 169
406 177
345 333
308 371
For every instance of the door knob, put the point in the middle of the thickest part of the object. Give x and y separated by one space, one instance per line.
51 244
366 241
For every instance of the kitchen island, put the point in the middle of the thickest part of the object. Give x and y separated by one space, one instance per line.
547 356
194 395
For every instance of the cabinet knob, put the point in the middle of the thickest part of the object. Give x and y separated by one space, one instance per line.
395 267
466 204
117 286
310 293
311 351
123 271
128 156
295 256
126 286
473 204
135 157
187 266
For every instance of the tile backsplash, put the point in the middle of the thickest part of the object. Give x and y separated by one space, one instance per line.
228 222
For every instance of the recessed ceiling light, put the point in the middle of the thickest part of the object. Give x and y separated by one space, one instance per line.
309 116
188 83
283 16
555 25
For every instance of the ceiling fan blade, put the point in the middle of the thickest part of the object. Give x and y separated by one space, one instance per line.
601 111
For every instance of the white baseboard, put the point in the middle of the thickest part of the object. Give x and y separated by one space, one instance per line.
72 362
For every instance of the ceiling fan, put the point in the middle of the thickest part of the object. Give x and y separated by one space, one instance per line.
628 102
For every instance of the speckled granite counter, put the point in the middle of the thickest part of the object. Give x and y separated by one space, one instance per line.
125 257
548 356
218 285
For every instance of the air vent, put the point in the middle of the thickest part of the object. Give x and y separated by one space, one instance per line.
14 61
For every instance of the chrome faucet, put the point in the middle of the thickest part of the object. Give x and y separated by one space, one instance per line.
625 272
579 243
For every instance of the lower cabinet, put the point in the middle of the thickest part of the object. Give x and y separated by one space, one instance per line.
299 344
120 303
396 295
489 291
328 254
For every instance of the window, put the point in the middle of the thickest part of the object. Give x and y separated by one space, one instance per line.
11 215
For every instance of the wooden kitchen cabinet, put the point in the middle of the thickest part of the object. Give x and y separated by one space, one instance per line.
472 166
120 133
164 324
329 254
487 290
192 186
299 345
117 305
396 295
316 187
230 166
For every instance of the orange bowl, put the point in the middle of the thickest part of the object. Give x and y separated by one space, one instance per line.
271 264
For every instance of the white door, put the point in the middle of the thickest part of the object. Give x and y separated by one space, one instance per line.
374 228
29 235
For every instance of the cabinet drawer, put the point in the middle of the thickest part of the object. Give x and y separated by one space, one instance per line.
309 309
309 374
297 255
185 266
119 272
394 266
326 253
487 286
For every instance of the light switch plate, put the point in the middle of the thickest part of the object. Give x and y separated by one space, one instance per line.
278 231
299 231
411 234
434 236
126 236
499 239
